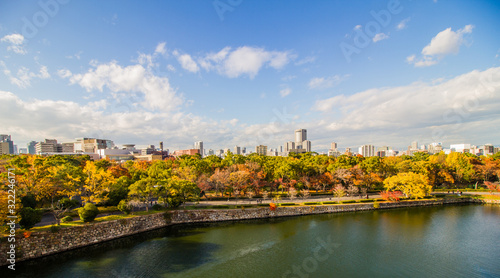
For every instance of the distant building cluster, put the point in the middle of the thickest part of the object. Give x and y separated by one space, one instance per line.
106 149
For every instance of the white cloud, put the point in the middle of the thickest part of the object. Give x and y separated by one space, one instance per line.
23 77
244 60
448 109
171 68
379 37
160 48
444 43
66 120
326 82
357 27
285 92
306 60
64 73
187 62
16 43
402 24
157 92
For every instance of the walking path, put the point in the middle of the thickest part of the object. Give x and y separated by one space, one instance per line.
49 219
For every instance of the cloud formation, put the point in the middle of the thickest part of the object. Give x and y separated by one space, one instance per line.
326 82
16 42
435 110
379 37
244 60
126 80
444 43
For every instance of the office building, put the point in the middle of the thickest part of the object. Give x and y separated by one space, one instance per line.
289 146
300 136
261 149
6 144
367 150
48 146
199 145
237 150
31 147
306 144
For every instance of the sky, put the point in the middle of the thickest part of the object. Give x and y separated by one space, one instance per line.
240 72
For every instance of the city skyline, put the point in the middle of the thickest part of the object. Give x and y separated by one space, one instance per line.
357 73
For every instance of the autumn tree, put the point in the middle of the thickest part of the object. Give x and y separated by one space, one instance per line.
411 184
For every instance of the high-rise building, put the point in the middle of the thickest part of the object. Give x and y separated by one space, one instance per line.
6 144
306 144
199 145
367 150
23 150
237 150
289 146
68 147
48 146
92 145
261 149
414 145
300 136
31 147
333 146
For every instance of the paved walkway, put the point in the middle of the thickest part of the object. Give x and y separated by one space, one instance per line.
48 218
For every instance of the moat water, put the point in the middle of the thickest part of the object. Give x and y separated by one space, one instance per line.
444 241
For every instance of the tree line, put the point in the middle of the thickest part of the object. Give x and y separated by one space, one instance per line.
174 181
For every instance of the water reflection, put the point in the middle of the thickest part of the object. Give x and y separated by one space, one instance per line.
451 241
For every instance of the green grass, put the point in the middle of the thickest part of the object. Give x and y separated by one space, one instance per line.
330 203
288 204
312 203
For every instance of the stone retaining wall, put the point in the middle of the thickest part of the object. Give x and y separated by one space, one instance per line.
46 243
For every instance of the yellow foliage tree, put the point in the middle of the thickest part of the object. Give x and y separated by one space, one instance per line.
411 184
96 184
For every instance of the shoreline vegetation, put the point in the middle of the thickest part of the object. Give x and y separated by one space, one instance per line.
59 192
112 213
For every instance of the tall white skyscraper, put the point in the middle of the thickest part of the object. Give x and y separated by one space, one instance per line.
199 145
289 146
367 150
300 136
306 144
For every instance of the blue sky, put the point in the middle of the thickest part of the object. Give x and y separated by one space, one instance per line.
239 72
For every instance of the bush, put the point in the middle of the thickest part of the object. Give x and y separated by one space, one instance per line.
366 200
376 204
124 207
88 213
29 201
311 203
440 195
157 207
29 217
348 201
67 219
69 204
263 205
329 203
288 204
